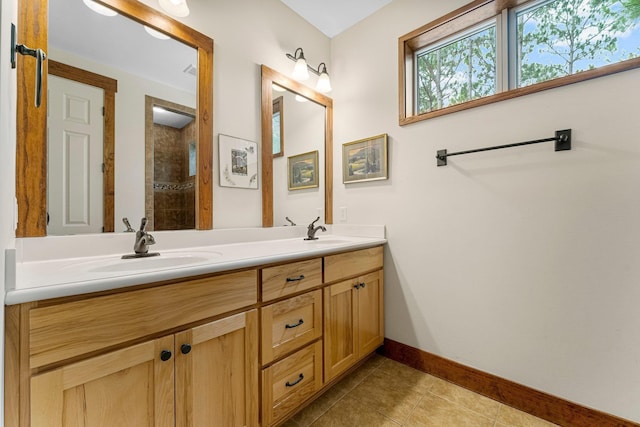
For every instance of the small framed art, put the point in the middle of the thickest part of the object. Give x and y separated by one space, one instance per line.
238 162
303 170
365 159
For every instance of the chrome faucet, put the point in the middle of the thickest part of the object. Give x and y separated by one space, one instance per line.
311 231
143 239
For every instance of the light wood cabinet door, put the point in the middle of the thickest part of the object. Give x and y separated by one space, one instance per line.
339 328
132 387
370 313
217 373
353 322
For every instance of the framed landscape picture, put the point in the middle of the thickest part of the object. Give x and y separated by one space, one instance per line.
303 170
365 159
238 162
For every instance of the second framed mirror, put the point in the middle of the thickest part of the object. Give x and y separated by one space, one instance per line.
297 152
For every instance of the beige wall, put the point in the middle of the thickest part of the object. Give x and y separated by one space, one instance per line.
522 262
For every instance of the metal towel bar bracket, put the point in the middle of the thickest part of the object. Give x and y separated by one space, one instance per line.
562 139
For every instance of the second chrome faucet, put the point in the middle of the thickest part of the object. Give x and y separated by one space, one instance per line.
311 230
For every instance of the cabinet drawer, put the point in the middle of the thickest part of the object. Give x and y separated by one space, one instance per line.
349 264
66 330
290 324
288 383
283 280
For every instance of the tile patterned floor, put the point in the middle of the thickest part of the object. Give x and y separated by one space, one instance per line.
386 393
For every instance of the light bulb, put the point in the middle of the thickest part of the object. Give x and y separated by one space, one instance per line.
324 83
300 71
177 8
98 8
155 33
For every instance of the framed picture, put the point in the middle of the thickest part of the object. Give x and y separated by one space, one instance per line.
303 170
238 162
365 159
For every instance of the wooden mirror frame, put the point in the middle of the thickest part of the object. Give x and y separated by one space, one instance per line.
31 126
270 77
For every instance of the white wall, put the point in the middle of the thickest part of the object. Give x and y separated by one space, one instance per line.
521 262
8 155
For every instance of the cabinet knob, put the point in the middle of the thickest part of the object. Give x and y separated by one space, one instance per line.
362 285
185 348
165 355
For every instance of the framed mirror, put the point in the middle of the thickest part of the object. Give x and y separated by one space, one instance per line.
31 138
314 132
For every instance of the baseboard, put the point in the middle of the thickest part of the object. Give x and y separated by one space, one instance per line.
540 404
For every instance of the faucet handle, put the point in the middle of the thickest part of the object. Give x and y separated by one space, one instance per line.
143 223
314 222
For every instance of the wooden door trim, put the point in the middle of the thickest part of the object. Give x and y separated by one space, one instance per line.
110 87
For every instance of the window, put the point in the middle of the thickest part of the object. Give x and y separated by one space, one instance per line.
457 70
477 54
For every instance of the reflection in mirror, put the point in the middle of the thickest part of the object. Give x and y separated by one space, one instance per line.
307 127
76 38
304 132
169 165
277 122
181 73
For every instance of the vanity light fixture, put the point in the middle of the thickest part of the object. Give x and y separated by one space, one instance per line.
301 71
177 8
98 8
155 33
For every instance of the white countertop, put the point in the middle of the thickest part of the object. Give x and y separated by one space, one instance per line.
39 275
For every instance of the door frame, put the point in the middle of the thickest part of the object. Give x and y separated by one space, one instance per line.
110 87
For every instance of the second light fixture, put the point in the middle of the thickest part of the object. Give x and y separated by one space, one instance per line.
301 71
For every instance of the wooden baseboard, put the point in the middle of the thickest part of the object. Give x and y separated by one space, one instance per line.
540 404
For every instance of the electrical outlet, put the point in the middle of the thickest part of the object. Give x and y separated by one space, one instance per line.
343 214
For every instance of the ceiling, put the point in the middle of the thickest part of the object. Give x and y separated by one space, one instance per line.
334 16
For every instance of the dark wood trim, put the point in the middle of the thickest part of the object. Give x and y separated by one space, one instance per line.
538 403
270 77
110 87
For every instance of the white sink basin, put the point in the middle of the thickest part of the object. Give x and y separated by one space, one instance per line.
327 241
162 261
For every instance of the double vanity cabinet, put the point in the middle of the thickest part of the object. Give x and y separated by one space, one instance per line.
239 348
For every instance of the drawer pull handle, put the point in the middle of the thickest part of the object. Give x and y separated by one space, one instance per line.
300 378
295 279
288 326
165 355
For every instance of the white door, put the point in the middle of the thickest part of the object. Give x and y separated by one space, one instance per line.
75 157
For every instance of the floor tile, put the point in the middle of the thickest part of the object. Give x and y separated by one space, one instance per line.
470 400
318 407
381 393
402 376
350 412
510 417
434 411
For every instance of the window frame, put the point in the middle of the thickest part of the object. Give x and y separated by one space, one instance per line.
458 21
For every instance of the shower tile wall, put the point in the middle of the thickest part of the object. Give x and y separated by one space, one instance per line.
174 189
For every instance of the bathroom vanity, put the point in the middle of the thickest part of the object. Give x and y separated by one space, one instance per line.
245 341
